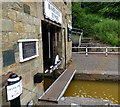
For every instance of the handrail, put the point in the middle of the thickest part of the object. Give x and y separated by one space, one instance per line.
105 52
77 29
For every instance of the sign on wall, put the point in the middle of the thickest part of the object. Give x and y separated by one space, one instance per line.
52 12
69 32
28 49
8 57
13 91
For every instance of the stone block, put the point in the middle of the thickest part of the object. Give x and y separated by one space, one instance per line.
18 26
33 11
0 98
29 36
37 29
30 19
5 37
15 48
16 6
23 35
25 18
6 46
25 92
27 78
19 16
36 21
0 65
26 99
4 12
24 68
13 36
33 28
36 35
33 72
4 96
17 58
27 28
0 13
12 14
7 25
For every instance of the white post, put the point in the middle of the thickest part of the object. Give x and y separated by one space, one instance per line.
106 51
86 51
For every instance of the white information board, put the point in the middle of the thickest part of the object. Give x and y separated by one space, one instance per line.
13 91
28 49
52 12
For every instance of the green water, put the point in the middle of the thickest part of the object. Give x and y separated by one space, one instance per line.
91 89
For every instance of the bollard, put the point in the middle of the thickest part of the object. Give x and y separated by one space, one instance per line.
86 51
106 52
14 90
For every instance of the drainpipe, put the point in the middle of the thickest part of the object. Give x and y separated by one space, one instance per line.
65 46
49 43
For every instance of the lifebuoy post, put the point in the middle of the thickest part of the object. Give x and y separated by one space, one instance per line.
14 90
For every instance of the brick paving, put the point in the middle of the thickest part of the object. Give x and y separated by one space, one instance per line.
96 64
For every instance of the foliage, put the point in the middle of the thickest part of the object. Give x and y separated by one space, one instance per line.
106 9
98 19
107 31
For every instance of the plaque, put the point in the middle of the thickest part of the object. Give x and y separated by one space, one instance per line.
8 57
28 49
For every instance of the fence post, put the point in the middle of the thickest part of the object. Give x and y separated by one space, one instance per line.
106 51
86 51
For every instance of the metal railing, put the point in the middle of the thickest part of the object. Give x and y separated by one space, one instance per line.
87 50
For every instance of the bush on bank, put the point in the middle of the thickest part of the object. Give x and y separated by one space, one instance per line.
107 31
96 23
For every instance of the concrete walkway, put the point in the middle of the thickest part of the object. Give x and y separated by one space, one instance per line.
96 64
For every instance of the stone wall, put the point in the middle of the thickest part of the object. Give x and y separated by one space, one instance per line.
67 16
20 21
0 54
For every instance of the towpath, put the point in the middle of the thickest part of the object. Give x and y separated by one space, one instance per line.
96 64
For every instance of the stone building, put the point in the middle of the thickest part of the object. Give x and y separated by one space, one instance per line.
32 33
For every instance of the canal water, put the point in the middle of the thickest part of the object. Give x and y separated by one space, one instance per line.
90 89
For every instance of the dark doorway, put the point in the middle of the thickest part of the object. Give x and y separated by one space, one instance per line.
47 45
51 43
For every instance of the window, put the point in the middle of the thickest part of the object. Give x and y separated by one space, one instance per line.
28 49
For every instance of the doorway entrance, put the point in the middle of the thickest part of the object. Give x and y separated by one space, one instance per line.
52 43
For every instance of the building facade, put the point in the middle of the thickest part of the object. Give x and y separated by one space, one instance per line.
32 34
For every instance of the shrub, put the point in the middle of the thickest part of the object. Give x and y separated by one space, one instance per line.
107 31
